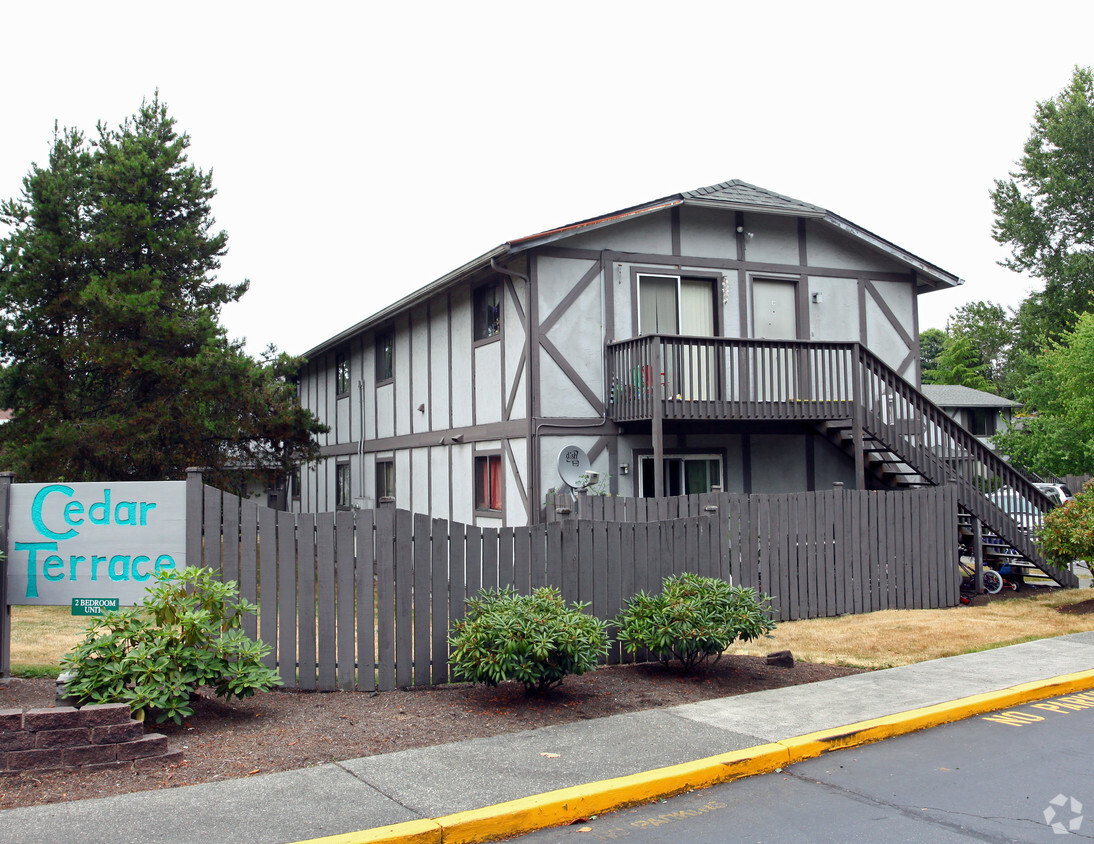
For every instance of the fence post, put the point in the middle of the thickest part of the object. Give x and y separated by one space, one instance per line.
5 610
195 514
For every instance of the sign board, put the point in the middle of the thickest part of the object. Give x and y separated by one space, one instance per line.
93 606
92 541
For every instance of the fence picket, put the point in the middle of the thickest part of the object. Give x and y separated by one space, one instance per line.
326 602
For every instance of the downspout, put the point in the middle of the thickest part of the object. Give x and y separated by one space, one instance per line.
361 438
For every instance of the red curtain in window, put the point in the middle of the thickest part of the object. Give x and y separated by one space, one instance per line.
489 483
495 483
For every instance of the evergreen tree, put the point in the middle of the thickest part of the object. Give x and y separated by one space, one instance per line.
117 366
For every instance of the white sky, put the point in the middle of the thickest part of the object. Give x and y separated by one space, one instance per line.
362 150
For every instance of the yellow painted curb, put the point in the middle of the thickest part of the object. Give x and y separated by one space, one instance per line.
410 832
876 729
555 808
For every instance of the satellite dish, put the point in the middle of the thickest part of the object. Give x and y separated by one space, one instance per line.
573 463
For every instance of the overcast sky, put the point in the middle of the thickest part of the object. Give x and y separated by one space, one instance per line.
362 150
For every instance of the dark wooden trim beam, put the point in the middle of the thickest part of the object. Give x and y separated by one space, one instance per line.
569 299
586 391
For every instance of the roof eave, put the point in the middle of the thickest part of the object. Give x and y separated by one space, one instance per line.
434 287
935 277
756 208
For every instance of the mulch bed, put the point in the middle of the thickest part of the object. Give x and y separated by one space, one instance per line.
279 731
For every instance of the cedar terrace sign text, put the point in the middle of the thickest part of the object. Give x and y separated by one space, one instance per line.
93 540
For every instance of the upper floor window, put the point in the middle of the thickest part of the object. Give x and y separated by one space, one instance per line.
341 373
982 421
385 354
487 307
671 304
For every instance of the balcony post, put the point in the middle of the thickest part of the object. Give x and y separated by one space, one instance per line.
657 395
856 418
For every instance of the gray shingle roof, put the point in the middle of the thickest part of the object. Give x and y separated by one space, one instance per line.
953 395
743 195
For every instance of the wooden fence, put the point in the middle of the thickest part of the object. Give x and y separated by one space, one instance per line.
816 553
364 599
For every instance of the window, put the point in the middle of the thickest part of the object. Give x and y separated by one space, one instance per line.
341 373
670 304
341 485
690 475
385 355
982 421
487 306
488 482
296 480
385 479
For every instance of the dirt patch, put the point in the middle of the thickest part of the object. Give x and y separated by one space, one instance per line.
280 731
1081 608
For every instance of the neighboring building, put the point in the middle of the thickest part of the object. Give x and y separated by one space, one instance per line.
740 305
983 414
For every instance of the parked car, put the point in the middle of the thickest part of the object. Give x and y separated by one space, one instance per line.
1059 493
1019 507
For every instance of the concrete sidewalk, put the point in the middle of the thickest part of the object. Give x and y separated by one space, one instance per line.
452 791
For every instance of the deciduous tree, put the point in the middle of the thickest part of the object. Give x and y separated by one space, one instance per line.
1045 213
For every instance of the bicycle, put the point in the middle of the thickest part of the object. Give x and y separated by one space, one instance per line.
993 581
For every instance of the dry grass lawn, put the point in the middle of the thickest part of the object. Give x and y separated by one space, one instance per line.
42 635
900 637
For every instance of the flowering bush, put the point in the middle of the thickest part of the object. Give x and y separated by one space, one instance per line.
1068 531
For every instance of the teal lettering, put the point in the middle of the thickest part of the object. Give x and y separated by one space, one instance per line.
36 512
136 562
113 571
125 513
146 506
72 562
73 510
164 562
32 562
102 508
95 560
53 568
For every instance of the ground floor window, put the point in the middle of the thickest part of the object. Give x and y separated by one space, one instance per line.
341 485
488 482
684 474
385 479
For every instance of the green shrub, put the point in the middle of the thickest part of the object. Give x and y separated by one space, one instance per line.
534 639
693 619
154 656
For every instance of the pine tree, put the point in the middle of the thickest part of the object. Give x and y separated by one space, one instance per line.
117 365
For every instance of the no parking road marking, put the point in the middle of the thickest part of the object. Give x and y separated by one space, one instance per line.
1065 705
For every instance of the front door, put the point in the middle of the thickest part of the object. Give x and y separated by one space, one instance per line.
775 309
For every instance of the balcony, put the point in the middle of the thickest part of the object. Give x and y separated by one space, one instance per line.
672 377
